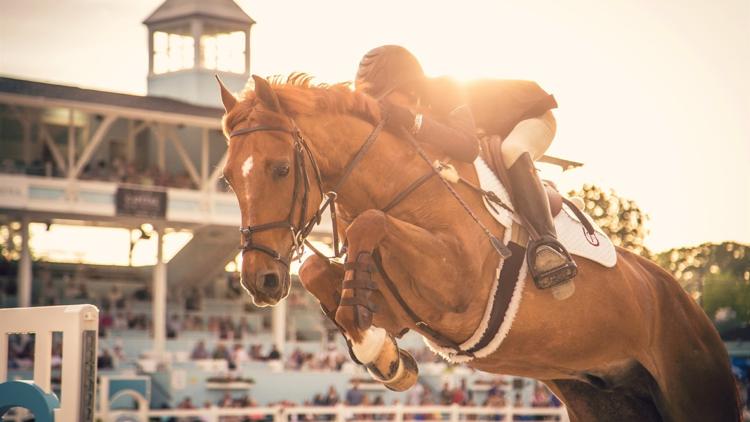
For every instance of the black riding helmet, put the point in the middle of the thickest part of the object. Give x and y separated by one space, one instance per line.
388 68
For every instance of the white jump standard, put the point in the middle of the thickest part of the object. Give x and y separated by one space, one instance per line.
79 325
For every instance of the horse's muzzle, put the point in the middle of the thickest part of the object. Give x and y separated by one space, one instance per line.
267 287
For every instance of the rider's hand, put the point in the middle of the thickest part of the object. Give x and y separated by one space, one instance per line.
398 116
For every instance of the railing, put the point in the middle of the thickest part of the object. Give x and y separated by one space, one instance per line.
341 413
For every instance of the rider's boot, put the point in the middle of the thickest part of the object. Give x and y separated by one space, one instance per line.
548 261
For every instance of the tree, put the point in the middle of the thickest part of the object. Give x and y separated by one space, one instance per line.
620 218
717 275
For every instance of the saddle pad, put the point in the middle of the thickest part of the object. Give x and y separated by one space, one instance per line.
510 278
570 232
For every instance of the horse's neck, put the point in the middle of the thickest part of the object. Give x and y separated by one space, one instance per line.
386 170
335 141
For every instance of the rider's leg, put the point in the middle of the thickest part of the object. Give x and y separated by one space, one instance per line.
549 262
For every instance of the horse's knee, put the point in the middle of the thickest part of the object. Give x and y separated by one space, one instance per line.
312 271
321 279
367 229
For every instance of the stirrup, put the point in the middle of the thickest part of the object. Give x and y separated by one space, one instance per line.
551 277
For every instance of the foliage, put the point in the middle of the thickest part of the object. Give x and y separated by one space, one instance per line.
718 275
620 218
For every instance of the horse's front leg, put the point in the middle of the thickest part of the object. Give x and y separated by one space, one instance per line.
371 344
394 367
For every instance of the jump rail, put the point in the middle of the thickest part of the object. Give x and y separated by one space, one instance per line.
79 325
341 413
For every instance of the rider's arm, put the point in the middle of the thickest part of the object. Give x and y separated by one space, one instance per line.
455 134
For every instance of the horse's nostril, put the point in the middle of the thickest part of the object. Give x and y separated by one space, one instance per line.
270 281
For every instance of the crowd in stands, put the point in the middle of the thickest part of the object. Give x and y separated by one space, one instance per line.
419 395
329 359
116 170
120 171
226 339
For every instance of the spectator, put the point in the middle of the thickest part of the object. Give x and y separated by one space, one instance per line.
446 396
414 395
226 400
104 361
355 396
173 327
114 298
518 402
273 354
186 403
541 396
239 355
118 353
496 399
221 352
255 353
461 395
332 398
199 351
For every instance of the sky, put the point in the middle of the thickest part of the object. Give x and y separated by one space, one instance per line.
654 95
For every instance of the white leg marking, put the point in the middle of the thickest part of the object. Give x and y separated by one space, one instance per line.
371 345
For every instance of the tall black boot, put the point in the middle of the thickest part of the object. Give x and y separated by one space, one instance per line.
549 263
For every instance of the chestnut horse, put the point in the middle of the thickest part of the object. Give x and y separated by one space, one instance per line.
629 345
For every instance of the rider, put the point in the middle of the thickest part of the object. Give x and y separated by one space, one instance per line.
519 111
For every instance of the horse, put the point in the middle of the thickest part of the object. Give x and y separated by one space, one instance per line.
629 345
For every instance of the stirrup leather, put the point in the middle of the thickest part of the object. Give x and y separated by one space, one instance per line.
544 278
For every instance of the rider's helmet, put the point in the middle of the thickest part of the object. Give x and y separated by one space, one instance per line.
389 68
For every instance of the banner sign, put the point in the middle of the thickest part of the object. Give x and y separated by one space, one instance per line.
141 203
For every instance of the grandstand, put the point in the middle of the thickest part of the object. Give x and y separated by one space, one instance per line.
114 200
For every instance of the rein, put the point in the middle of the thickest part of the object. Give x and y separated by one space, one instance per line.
302 229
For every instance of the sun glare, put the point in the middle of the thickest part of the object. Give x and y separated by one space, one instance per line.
100 245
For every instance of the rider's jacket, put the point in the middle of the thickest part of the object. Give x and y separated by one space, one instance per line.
495 106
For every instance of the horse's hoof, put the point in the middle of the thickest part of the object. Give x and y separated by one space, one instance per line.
564 291
407 374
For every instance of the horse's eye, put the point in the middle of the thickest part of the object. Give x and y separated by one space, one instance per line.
281 170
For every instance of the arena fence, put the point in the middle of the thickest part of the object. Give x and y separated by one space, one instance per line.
343 413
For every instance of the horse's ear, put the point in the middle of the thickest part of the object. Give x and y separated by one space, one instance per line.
227 98
266 94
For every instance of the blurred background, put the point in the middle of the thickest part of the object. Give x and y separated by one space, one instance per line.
111 150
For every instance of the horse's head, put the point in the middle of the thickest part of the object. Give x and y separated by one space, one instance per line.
274 177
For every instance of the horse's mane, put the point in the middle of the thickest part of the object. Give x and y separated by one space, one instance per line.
299 96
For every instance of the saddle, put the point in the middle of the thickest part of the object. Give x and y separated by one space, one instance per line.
489 150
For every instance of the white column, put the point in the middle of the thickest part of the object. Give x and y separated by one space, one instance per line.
160 296
196 29
278 325
24 266
150 52
71 145
247 52
204 159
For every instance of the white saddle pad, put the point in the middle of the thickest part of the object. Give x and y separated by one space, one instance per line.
570 232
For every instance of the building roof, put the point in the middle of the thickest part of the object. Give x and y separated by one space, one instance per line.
180 9
72 93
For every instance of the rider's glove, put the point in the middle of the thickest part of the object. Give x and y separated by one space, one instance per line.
398 117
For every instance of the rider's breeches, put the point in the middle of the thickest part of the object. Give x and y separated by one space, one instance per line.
532 135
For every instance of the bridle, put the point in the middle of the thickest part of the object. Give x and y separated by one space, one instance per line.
302 229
